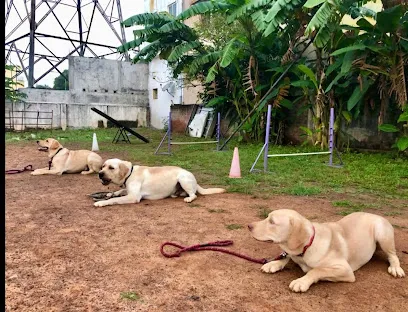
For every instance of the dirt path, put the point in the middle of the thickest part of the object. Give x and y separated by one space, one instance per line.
62 254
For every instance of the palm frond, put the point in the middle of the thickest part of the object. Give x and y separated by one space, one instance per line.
173 26
183 48
145 31
130 45
148 18
198 62
202 8
279 13
245 9
149 52
212 73
322 17
258 17
230 52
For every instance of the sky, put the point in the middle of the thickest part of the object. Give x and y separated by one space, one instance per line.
100 30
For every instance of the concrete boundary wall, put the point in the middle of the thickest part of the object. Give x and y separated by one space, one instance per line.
75 115
116 88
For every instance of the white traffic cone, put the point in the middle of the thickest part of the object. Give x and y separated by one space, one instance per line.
95 146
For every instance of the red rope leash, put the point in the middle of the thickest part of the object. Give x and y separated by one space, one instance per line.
26 168
208 246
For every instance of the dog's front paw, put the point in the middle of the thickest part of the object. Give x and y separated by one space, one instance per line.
272 267
35 172
396 271
101 203
300 285
190 198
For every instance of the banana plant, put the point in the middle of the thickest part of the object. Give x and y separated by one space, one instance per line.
402 141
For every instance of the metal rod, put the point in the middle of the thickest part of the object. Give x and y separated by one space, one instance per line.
21 22
49 11
90 24
32 41
21 61
61 73
299 154
122 29
161 142
82 49
7 56
54 66
297 57
331 128
58 21
218 129
8 11
18 38
101 10
169 136
268 126
185 143
73 40
256 160
18 73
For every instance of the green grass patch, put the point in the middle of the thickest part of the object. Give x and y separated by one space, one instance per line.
380 175
399 226
392 213
130 295
263 213
342 203
302 190
352 207
234 226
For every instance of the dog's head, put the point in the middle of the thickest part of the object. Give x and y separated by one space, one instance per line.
48 145
114 171
283 226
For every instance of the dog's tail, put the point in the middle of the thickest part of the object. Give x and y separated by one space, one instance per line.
214 190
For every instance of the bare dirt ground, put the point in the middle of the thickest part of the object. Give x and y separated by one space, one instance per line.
62 254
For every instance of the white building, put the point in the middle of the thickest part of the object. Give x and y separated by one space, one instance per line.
165 91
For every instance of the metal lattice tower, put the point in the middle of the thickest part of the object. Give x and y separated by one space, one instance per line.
42 34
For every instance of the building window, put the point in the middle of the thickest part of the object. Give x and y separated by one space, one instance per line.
155 97
173 9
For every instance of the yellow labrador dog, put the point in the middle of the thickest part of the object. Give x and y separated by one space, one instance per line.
149 183
326 251
63 160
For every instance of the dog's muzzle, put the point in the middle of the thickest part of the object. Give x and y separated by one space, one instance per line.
103 179
42 148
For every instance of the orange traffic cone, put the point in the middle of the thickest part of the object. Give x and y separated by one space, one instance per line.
235 171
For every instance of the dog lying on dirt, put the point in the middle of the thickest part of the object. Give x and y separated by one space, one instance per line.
149 183
63 160
326 251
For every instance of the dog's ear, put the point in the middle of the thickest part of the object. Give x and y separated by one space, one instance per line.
123 170
54 145
298 233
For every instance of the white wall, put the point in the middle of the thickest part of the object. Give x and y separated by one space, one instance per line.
159 75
